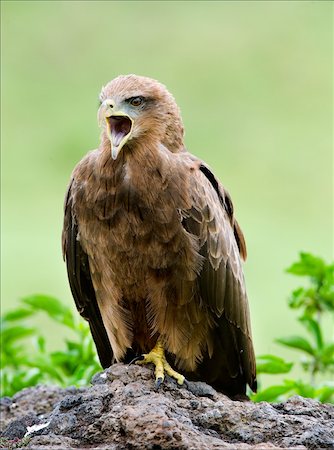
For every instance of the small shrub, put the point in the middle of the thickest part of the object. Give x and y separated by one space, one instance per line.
315 301
24 359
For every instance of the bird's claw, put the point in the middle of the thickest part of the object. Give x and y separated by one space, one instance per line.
137 358
157 357
158 382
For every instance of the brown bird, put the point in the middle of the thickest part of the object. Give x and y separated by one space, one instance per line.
153 250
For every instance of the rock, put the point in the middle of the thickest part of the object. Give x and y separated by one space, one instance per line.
39 401
123 410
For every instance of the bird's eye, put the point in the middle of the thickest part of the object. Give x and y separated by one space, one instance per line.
136 101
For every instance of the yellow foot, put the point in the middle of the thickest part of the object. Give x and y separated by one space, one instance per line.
157 357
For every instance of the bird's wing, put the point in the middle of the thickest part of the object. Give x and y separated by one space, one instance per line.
81 282
231 360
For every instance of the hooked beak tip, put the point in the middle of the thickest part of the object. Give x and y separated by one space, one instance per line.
114 152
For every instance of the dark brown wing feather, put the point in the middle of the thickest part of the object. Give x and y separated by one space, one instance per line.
227 204
81 283
231 364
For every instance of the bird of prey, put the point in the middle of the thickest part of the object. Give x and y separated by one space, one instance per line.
153 250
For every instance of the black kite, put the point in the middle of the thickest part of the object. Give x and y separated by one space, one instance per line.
153 250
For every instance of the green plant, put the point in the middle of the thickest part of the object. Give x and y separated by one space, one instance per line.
24 359
315 301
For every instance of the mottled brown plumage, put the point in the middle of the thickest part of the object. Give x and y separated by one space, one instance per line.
152 246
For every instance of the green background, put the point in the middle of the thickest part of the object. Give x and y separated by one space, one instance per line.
254 84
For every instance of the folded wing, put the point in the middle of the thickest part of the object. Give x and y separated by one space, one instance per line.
81 282
229 363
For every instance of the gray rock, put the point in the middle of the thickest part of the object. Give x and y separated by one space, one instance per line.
123 410
18 428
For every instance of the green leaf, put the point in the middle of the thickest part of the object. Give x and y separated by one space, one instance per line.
304 389
326 291
325 394
13 381
41 344
272 364
14 333
17 314
327 354
297 298
53 307
59 358
313 327
45 367
297 342
309 265
271 394
76 346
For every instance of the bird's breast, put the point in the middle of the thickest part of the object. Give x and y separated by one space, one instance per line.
139 234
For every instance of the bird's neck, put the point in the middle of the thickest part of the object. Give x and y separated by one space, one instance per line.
140 166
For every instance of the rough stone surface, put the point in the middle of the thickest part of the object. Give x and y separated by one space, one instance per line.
123 410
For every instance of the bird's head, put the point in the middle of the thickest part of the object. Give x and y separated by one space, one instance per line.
139 108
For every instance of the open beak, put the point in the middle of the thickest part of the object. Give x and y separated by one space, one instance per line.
118 126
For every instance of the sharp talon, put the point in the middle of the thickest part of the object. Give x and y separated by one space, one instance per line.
137 358
158 382
185 383
157 357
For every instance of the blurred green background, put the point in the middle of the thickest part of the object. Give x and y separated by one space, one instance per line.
254 83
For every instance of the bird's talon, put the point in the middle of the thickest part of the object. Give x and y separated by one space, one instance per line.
137 358
157 357
158 382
